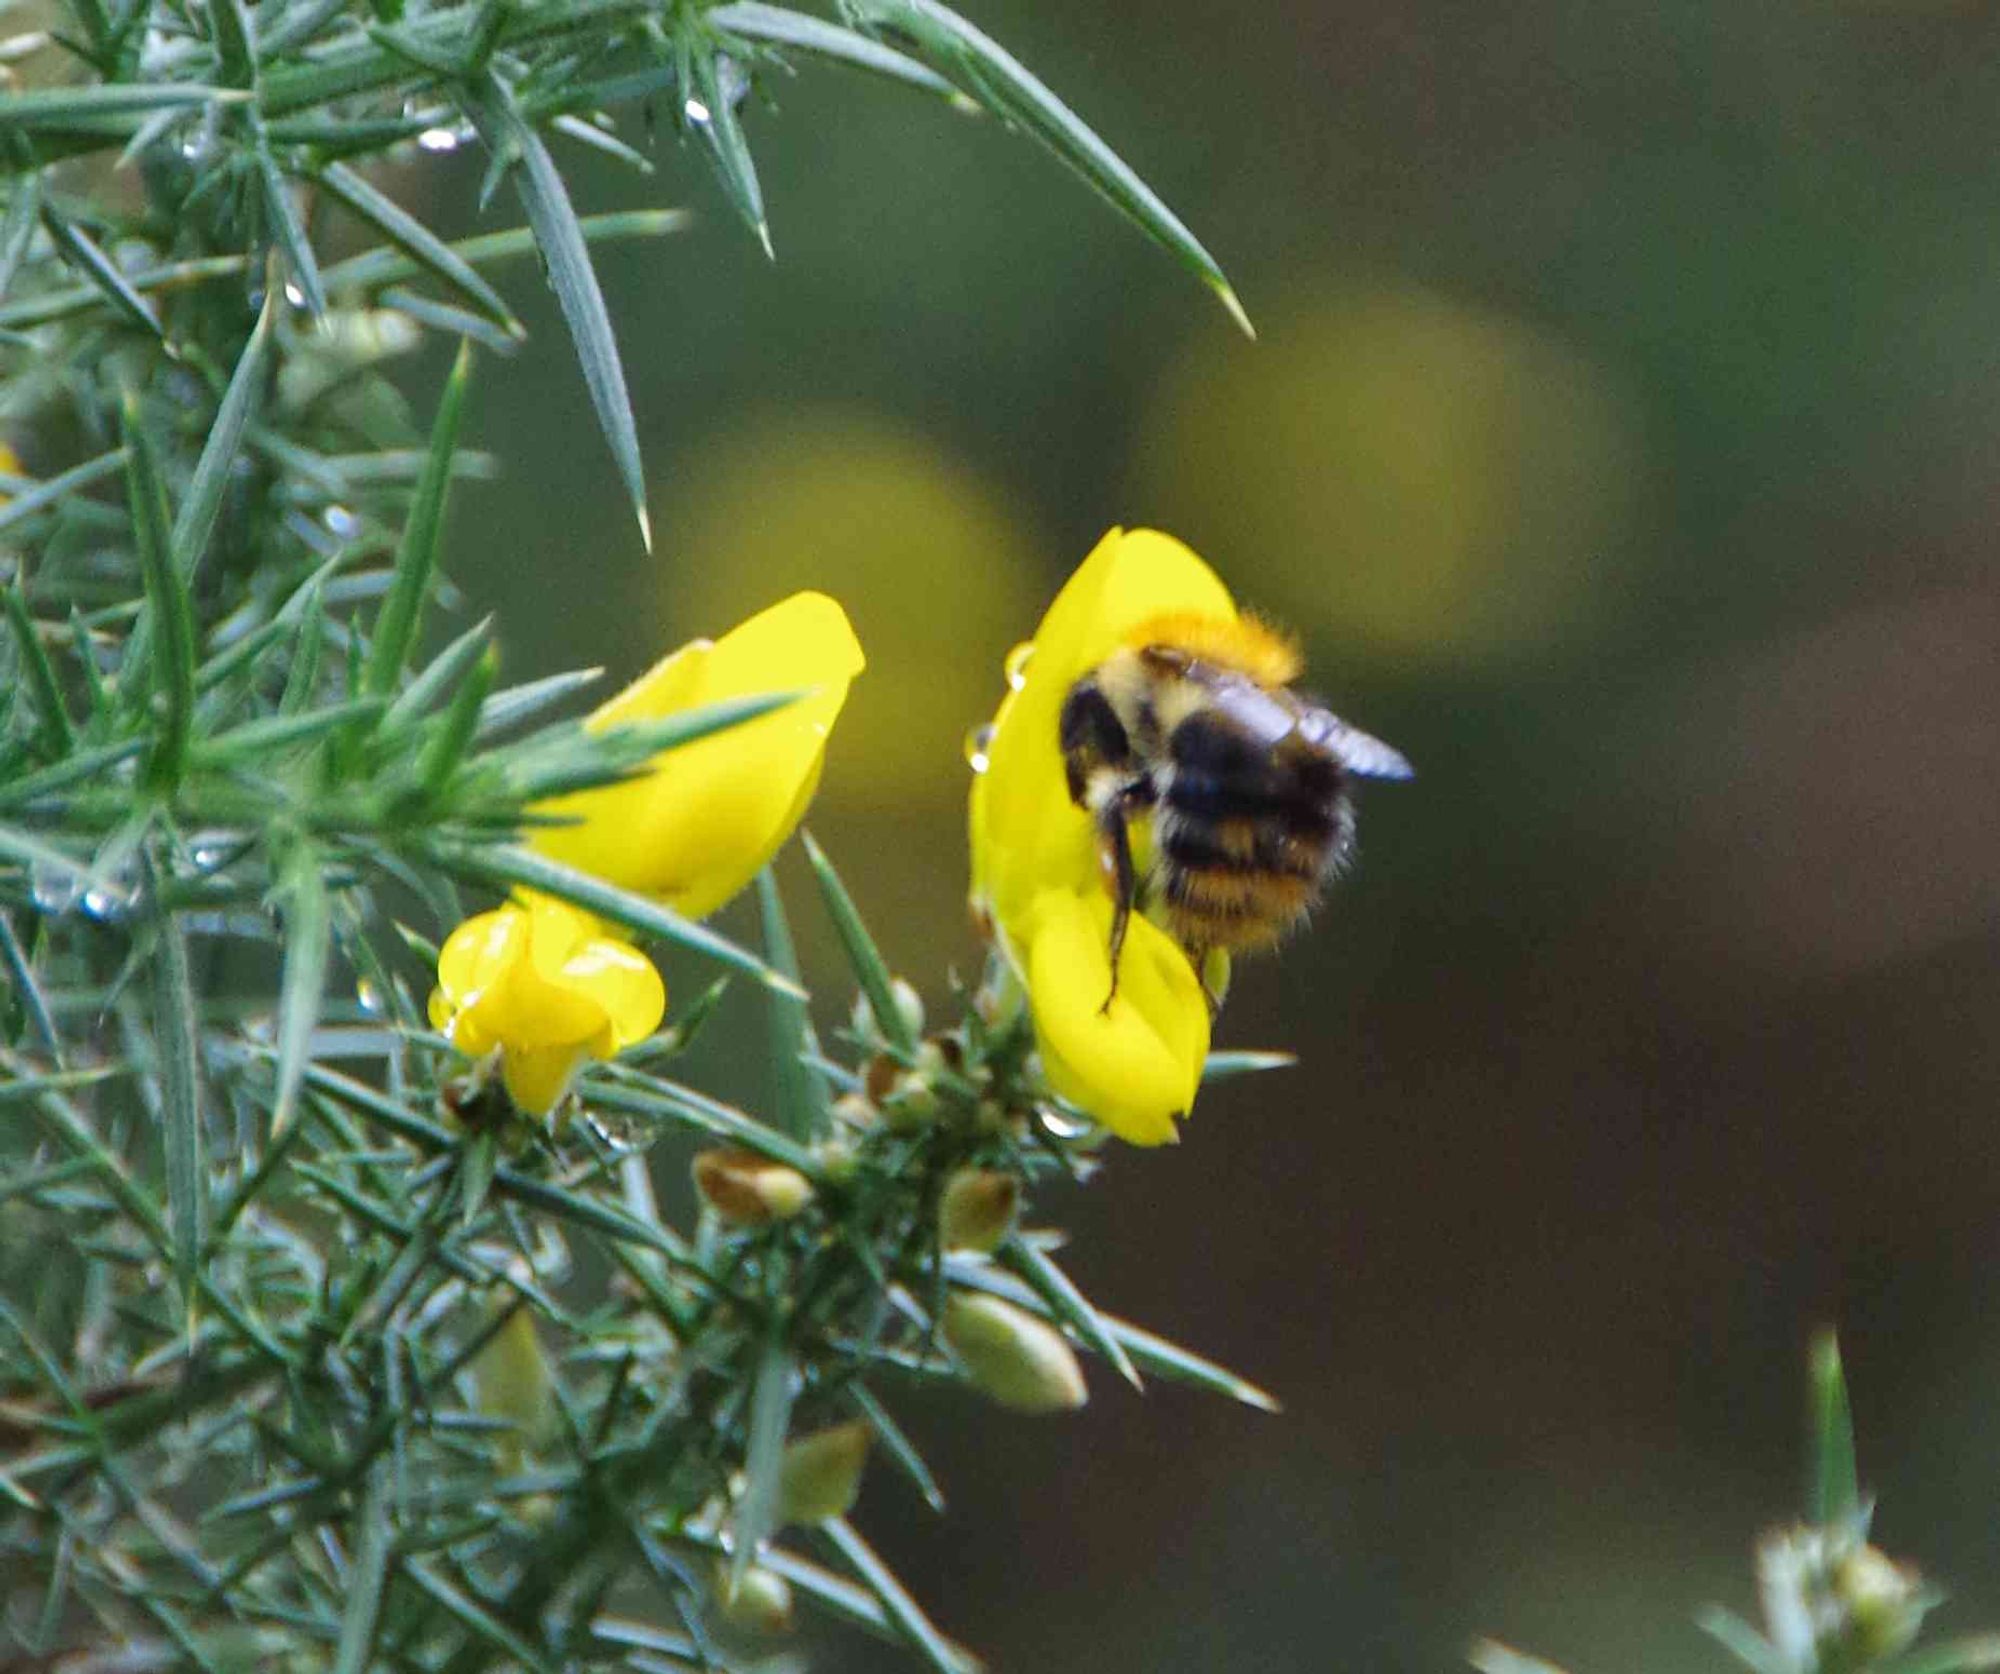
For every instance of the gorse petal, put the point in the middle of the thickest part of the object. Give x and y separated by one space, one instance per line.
1037 877
1134 1064
703 821
624 984
538 980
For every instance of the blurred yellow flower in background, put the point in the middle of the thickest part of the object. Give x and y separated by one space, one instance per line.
537 980
897 523
1036 872
1470 479
704 820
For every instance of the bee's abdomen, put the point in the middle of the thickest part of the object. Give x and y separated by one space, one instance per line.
1211 908
1245 836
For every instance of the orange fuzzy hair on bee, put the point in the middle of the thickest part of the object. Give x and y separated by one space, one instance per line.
1245 645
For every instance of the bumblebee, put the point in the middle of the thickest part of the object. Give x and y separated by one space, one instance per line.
1191 732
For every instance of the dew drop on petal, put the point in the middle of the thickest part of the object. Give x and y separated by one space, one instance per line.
341 521
1063 1127
697 111
978 747
1017 663
295 296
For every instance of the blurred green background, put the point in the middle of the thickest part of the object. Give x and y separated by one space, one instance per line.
1624 440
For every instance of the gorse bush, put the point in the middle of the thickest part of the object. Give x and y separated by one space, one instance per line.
339 1325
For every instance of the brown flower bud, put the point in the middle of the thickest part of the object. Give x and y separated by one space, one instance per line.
750 1190
977 1209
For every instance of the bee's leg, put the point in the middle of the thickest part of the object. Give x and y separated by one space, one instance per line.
1117 847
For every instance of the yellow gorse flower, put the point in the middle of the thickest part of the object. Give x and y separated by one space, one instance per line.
1036 872
704 821
540 982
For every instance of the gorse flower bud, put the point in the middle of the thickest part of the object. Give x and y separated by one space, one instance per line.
760 1600
1037 876
1833 1603
511 1381
1884 1602
977 1208
541 983
820 1475
743 1187
1016 1359
704 819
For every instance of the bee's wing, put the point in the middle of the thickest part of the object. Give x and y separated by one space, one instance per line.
1360 753
1262 718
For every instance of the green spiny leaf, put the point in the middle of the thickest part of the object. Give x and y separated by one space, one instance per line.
751 20
1004 86
870 969
566 257
176 1032
1834 1494
903 1612
442 678
33 1003
901 1450
447 745
516 704
475 1618
720 81
170 611
618 1090
269 734
232 30
397 627
371 1548
17 227
431 254
1060 1295
1738 1638
1228 1066
1149 1353
58 738
375 268
801 1092
99 270
60 490
48 109
196 521
300 260
756 1514
1971 1655
308 938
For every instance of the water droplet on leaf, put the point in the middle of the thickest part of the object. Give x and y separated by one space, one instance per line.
54 889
